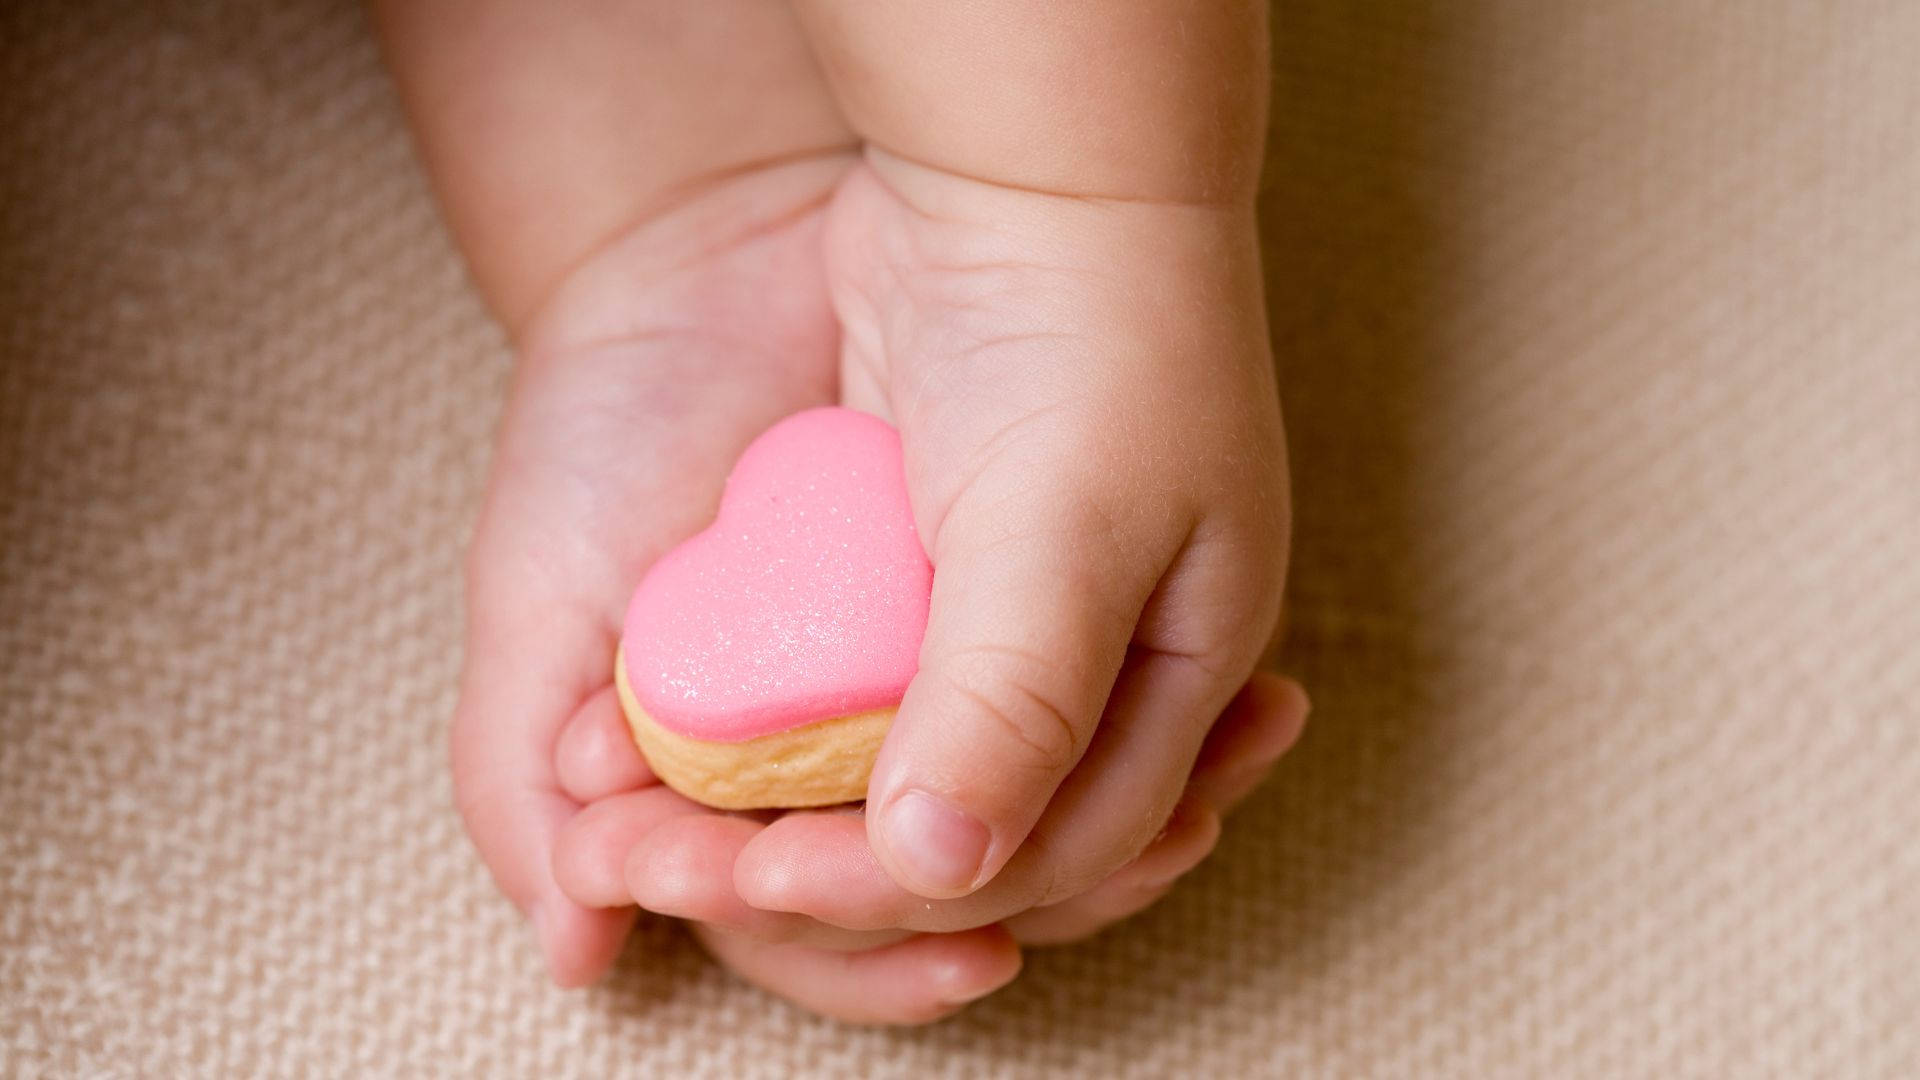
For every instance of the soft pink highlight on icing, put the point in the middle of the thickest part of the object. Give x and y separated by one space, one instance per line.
805 599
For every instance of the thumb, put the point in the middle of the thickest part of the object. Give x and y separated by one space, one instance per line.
1035 598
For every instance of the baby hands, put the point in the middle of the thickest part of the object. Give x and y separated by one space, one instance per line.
1096 468
1096 465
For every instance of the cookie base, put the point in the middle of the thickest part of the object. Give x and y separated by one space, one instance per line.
817 764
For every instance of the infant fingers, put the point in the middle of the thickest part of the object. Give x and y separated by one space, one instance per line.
595 756
684 869
1260 725
1189 837
504 728
819 864
913 982
589 859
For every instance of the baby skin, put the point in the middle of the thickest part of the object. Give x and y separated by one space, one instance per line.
1021 231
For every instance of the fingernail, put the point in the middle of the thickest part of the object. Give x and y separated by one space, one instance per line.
935 845
963 984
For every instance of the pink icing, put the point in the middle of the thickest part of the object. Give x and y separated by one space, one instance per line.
805 599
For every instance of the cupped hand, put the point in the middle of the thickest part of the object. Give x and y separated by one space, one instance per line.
1094 454
640 382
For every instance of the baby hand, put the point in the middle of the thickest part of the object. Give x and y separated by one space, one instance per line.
638 385
1095 459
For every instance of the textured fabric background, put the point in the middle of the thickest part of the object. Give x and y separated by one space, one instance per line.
1601 335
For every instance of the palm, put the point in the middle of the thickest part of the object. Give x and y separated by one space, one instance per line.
958 325
612 451
628 406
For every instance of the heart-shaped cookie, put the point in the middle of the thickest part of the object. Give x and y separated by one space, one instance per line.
805 600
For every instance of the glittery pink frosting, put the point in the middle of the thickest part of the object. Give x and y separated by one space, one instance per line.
805 599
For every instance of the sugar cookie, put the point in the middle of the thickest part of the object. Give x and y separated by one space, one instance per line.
762 659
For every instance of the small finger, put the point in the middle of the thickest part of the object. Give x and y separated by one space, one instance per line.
590 856
580 942
595 756
915 981
1189 837
1263 722
504 728
819 864
684 868
1259 726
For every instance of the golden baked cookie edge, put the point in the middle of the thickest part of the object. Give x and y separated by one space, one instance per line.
816 764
